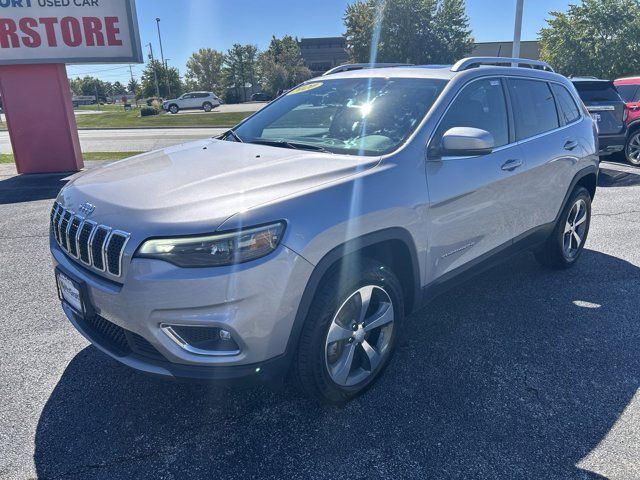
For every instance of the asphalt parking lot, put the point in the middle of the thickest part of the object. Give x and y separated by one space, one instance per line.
519 373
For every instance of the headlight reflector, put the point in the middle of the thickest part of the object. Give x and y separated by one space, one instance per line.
215 250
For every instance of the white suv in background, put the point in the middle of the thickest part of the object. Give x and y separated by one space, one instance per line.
206 101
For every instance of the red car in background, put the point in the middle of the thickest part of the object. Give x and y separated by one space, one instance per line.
629 89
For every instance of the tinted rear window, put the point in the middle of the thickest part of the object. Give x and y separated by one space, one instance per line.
627 92
597 92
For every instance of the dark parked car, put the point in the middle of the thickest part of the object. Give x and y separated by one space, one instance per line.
261 97
609 110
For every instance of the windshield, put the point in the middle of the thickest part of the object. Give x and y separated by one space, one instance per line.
358 116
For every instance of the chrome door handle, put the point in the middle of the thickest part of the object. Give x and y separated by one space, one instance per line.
570 145
511 165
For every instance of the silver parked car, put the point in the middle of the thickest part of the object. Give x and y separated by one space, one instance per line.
300 240
206 101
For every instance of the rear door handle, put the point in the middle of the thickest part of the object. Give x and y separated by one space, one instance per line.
570 145
511 165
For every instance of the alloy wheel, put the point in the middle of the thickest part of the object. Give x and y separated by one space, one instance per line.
359 336
575 229
633 149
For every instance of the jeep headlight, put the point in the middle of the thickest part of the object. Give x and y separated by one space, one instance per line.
216 249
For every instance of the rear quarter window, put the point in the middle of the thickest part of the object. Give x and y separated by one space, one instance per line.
567 108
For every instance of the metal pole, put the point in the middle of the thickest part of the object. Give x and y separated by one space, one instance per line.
155 74
517 31
160 40
166 69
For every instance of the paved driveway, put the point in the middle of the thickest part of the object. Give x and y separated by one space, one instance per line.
131 140
519 373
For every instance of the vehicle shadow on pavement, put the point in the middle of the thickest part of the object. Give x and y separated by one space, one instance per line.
28 188
519 373
618 178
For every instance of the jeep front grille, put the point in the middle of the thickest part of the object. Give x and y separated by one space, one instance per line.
97 246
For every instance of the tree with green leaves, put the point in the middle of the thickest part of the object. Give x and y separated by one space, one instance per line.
167 78
281 65
118 89
133 86
410 31
597 37
91 86
204 70
240 72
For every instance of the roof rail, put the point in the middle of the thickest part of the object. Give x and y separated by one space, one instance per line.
472 62
347 67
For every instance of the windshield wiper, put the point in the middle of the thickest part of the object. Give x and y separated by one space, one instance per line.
233 134
292 145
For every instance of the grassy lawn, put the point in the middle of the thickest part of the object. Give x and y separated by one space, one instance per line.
101 108
122 119
8 158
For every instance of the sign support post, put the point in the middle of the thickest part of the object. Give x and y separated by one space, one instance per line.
39 112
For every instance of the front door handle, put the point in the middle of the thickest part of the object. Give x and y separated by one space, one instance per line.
570 145
511 165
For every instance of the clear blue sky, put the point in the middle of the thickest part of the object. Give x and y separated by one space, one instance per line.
188 25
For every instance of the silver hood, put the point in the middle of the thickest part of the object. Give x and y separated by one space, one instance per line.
196 186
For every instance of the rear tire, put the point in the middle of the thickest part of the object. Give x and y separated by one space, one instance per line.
566 243
632 148
207 107
344 347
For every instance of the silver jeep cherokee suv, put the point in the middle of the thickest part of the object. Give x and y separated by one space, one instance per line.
301 239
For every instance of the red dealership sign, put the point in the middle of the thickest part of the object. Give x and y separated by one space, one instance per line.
69 31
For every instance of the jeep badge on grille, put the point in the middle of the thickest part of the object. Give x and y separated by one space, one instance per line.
86 209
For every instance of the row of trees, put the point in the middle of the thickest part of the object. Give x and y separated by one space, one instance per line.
234 74
595 37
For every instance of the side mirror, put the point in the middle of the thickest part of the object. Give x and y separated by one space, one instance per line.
466 142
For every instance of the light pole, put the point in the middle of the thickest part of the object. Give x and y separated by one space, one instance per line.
517 31
164 63
155 74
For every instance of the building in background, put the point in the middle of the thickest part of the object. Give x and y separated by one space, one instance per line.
322 54
528 49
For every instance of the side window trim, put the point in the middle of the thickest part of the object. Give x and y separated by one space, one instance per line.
510 112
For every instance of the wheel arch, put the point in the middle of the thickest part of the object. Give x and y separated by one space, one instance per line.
393 247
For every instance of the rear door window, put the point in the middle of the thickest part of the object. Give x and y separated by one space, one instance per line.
569 111
534 107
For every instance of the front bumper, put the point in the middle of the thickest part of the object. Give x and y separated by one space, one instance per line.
256 302
612 143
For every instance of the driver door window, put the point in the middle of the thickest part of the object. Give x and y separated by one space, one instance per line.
481 104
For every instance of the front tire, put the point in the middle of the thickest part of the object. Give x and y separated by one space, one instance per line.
632 149
566 243
174 109
350 332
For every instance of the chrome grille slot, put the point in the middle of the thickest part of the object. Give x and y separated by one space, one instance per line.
72 236
97 246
